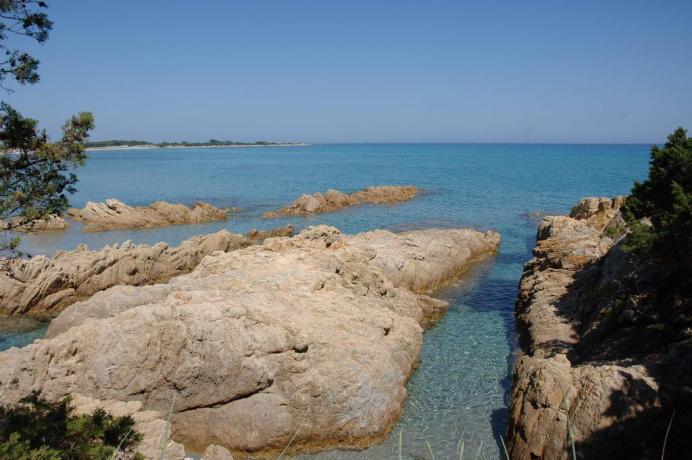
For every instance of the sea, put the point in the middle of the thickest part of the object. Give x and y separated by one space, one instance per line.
458 397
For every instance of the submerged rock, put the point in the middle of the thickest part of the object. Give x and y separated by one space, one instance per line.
333 200
114 214
215 452
597 362
47 285
303 341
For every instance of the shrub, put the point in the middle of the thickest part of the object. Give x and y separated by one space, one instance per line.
659 210
36 429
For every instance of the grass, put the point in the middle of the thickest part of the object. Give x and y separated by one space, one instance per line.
665 439
166 433
462 448
432 455
504 448
120 444
283 452
480 448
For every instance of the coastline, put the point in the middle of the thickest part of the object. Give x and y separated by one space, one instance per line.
154 146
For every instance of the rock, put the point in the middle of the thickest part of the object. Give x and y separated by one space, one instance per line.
302 341
52 223
215 452
260 235
47 285
582 367
425 260
333 200
114 214
597 212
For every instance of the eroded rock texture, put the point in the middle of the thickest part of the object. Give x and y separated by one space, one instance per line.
598 357
303 341
114 214
48 284
333 200
52 223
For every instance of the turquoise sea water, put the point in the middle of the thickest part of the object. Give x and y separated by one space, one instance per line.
460 389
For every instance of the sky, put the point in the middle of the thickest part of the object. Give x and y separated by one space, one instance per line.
367 71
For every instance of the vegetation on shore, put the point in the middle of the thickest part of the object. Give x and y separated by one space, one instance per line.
658 213
34 177
209 143
36 429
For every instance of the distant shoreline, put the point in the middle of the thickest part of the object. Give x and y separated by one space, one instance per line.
181 146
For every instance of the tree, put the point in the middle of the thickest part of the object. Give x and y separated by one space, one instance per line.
34 171
25 18
659 210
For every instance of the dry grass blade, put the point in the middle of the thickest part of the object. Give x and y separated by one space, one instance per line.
504 448
432 455
665 439
283 452
480 448
166 432
120 444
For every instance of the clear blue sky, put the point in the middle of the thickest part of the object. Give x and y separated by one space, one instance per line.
368 71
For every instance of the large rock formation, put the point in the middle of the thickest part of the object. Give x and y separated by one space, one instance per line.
43 284
303 341
601 369
425 260
52 223
114 214
333 200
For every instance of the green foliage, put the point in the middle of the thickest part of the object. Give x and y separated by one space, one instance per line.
32 169
209 143
36 429
212 143
23 18
615 231
665 199
659 210
116 143
34 177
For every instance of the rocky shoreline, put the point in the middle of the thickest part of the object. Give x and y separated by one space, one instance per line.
46 285
304 342
52 223
600 371
116 215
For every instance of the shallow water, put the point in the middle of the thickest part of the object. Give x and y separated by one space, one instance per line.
459 391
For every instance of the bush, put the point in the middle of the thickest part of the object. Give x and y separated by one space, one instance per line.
659 210
36 429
